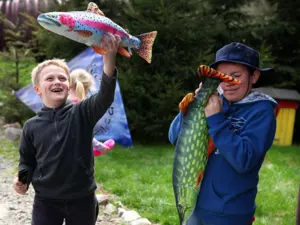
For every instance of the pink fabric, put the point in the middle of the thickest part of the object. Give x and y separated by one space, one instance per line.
100 148
108 145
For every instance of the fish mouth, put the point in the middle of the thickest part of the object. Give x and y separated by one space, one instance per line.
48 20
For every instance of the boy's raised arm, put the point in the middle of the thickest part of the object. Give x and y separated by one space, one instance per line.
96 106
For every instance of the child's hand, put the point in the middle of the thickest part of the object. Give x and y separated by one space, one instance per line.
214 105
111 44
19 187
198 89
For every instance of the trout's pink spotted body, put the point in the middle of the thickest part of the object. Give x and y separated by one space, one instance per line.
90 26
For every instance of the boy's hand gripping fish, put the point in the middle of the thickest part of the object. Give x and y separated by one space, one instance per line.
90 26
193 145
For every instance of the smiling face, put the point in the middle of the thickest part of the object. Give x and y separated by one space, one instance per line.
52 86
235 93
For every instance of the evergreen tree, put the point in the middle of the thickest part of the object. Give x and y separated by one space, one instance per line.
187 32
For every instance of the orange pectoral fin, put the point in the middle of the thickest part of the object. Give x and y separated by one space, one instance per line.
84 33
211 147
185 102
99 50
199 179
124 52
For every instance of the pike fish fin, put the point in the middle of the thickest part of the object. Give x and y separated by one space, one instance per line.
183 105
145 51
92 7
199 179
211 147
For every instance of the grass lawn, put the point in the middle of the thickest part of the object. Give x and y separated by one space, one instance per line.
9 149
141 177
278 187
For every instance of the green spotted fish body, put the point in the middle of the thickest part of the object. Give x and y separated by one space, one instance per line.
192 144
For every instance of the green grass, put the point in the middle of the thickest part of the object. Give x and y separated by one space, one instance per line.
9 150
278 187
141 177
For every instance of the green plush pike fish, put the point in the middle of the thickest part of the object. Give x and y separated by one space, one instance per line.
193 144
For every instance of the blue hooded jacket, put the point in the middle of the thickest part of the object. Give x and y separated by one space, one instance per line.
242 133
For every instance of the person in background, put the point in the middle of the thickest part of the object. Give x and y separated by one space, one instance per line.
81 82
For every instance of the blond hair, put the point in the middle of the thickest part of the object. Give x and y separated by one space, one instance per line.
57 62
81 81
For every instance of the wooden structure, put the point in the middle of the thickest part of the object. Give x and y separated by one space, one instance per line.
288 102
12 8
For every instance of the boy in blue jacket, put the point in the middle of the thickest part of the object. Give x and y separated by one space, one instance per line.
242 126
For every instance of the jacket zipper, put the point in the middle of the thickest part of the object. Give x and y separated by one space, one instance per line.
55 124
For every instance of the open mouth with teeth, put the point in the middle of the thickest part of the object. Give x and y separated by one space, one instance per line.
57 90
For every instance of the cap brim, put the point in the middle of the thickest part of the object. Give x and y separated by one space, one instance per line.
215 64
262 81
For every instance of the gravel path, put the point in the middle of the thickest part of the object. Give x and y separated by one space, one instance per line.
16 209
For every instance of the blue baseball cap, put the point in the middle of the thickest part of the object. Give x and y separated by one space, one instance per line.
236 52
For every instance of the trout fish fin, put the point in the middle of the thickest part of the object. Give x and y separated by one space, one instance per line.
84 33
183 105
92 7
145 51
98 49
199 179
211 147
129 50
124 52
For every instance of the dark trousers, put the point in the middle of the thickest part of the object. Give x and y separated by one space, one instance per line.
83 211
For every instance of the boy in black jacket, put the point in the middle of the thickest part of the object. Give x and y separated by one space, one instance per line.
56 146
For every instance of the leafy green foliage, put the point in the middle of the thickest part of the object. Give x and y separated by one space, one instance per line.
189 34
151 92
11 108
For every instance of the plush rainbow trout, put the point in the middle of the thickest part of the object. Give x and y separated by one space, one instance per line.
192 145
90 26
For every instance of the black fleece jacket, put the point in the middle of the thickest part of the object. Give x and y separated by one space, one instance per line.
56 145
